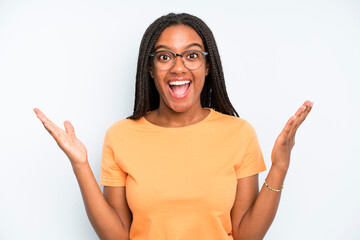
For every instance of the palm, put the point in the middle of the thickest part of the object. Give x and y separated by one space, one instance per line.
280 155
67 141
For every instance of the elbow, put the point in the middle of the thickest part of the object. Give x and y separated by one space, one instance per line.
247 234
247 237
123 235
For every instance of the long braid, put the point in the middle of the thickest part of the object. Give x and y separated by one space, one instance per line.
221 99
214 93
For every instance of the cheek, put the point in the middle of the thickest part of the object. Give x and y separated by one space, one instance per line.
201 75
158 80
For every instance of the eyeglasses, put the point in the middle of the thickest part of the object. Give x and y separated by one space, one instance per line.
165 59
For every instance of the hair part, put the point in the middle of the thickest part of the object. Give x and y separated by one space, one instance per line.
213 94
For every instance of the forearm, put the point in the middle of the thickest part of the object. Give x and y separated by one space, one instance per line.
259 217
105 221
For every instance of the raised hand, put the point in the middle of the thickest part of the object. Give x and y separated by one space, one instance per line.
280 155
74 149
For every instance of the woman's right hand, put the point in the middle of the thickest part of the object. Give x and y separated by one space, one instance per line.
74 149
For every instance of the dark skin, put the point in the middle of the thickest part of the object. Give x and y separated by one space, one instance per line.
173 112
252 212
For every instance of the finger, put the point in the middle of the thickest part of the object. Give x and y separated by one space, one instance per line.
304 114
43 118
41 115
69 128
299 114
288 126
306 108
51 127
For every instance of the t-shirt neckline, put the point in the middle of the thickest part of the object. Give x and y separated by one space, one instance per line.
157 127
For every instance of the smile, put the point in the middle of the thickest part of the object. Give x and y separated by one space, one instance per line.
179 89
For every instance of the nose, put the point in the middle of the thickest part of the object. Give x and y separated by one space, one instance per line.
178 66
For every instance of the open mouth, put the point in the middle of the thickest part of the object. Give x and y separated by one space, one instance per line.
179 89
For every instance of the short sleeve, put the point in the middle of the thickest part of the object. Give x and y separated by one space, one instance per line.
253 161
111 174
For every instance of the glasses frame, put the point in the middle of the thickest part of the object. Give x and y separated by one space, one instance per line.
181 55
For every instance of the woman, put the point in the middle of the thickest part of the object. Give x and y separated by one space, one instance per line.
188 163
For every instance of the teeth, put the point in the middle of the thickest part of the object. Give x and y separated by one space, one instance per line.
179 82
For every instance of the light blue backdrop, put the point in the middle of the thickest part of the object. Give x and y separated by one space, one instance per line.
76 60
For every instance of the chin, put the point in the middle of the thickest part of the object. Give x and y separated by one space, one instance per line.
180 107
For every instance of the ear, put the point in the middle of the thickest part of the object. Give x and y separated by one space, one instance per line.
151 71
207 68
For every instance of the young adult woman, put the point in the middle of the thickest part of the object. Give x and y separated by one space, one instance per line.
184 165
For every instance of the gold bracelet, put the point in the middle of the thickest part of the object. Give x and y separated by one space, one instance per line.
272 189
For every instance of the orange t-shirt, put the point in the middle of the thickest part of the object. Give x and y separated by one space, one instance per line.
180 182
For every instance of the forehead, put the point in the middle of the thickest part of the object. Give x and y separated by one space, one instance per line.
179 37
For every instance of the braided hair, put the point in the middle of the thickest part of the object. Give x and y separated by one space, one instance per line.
213 94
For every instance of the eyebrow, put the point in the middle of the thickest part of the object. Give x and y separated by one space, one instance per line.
188 46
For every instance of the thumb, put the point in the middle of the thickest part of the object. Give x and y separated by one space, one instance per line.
69 128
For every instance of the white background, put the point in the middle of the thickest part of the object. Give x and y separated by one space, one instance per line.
76 60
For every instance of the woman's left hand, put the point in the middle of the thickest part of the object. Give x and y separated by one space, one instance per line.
280 155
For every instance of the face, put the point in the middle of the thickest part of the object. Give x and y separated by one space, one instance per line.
185 95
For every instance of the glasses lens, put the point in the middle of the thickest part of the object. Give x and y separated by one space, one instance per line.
193 59
164 59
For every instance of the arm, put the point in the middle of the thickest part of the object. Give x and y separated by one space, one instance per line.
108 219
109 213
253 212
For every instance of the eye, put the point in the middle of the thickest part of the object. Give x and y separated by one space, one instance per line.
193 55
163 57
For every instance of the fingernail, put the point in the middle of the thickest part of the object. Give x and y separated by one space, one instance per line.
303 108
311 104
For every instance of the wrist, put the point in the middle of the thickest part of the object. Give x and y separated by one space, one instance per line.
77 167
276 177
282 168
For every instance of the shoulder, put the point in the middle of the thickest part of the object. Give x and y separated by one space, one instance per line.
121 126
233 123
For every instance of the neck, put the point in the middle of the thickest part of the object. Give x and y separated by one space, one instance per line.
167 117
